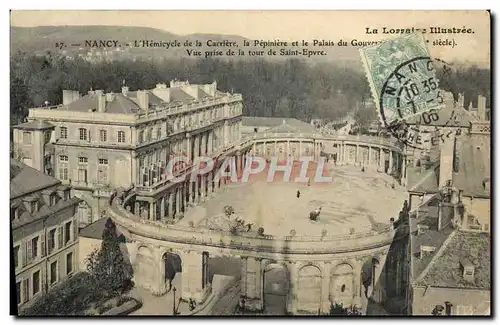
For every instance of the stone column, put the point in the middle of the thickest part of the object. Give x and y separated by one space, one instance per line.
158 287
137 211
357 283
238 164
171 204
210 142
203 187
369 155
192 286
196 186
325 287
403 171
357 155
178 199
251 287
294 282
382 160
390 161
152 210
196 145
188 146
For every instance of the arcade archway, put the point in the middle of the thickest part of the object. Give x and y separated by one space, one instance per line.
276 287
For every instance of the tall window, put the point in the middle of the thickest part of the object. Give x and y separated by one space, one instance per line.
149 137
51 241
69 263
141 136
46 136
103 135
53 272
83 134
27 137
63 132
36 282
16 256
121 136
18 292
82 175
26 290
67 232
102 170
63 167
158 133
34 247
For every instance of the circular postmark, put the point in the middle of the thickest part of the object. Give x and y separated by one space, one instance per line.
415 97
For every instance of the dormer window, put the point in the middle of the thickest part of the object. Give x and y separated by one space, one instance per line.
67 194
34 206
14 213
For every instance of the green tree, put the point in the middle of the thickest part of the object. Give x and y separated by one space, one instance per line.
107 265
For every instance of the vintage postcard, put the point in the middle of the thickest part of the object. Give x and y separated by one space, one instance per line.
222 163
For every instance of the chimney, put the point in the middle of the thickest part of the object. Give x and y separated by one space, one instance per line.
125 91
468 270
481 108
64 192
161 91
424 250
70 96
143 99
191 90
446 160
461 101
448 99
48 197
101 102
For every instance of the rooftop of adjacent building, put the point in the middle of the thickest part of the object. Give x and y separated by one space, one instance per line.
277 124
30 185
25 180
95 230
472 156
132 102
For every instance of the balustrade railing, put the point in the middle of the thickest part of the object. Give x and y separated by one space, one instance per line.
200 236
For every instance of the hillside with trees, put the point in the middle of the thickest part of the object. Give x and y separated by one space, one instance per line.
289 88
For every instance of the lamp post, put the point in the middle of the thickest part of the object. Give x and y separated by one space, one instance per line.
173 304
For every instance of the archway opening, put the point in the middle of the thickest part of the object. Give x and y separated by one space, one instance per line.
172 271
276 287
368 277
309 290
342 285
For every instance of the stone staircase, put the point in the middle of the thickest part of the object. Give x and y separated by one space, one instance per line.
227 303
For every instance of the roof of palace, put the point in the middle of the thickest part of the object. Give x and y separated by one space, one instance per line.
128 103
24 179
277 124
462 247
35 125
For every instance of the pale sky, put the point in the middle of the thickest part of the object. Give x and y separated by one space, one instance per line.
290 25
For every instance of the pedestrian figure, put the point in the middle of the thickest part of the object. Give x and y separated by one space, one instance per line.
298 194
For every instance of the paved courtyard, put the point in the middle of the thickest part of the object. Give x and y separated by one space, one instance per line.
354 199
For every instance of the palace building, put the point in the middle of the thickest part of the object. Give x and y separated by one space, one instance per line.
102 141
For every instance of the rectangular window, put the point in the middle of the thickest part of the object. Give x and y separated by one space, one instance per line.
64 132
103 161
67 232
102 174
26 290
34 247
53 272
121 136
16 256
83 160
63 158
47 135
52 240
26 137
83 134
36 282
18 292
69 263
103 135
82 175
60 237
63 172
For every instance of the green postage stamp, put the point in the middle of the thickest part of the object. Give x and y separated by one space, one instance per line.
402 78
